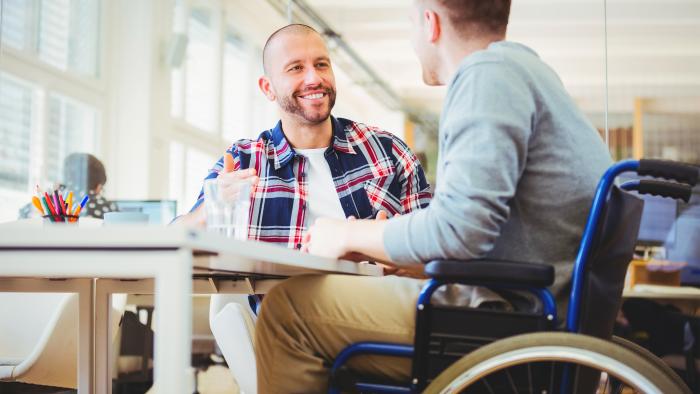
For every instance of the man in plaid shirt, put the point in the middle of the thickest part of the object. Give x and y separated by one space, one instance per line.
312 164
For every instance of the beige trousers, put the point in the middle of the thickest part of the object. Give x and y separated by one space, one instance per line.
307 320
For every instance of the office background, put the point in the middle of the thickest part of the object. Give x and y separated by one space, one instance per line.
157 89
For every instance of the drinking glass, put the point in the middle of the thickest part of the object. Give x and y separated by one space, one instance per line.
227 208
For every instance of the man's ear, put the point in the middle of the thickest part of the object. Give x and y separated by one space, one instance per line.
266 88
431 21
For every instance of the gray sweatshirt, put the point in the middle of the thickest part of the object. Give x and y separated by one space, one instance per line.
518 165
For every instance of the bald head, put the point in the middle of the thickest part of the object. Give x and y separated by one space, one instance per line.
298 74
296 28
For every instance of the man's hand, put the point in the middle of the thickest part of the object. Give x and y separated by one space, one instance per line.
348 238
231 181
328 238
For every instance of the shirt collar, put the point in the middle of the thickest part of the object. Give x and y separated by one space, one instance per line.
284 152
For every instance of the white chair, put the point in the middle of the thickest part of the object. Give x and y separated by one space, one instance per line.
233 325
38 338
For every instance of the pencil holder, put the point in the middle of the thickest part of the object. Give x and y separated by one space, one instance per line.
66 219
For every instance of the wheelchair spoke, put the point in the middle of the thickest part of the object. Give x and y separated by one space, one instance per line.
488 386
512 384
551 378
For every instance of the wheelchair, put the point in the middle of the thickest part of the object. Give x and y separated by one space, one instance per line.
458 350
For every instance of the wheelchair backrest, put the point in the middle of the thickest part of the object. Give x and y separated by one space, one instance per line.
606 265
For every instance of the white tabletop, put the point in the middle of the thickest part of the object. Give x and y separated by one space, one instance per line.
662 292
212 252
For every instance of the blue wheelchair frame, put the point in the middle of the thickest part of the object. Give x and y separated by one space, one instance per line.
600 199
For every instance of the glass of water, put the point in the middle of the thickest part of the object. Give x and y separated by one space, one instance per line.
227 208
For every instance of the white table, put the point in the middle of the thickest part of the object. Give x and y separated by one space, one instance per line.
167 255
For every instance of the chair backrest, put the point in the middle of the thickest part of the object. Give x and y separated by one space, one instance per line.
25 318
38 338
233 327
606 266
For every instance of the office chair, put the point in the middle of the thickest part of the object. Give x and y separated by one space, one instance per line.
38 338
233 324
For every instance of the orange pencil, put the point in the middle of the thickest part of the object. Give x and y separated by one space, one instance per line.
37 204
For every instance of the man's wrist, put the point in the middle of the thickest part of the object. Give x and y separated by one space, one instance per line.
347 243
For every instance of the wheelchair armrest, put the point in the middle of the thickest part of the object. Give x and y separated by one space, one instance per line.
491 272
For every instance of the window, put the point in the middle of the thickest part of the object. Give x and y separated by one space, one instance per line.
15 23
214 90
188 167
236 90
200 82
61 33
45 47
71 128
16 103
195 92
214 96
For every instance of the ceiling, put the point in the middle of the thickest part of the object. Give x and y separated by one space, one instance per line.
653 47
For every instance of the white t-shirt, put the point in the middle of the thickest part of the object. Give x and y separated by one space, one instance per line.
322 199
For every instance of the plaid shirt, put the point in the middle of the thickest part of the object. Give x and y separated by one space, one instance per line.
372 170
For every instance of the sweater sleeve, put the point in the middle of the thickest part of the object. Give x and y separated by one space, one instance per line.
489 115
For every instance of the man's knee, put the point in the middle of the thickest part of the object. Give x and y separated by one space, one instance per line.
278 301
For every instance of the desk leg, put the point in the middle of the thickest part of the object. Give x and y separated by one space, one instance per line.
173 342
103 342
86 349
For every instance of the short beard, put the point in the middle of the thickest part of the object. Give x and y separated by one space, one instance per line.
291 105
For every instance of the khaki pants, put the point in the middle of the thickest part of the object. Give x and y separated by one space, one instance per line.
307 320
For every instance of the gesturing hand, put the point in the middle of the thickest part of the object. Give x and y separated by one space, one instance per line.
231 182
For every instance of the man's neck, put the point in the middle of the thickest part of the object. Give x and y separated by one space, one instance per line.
307 136
454 52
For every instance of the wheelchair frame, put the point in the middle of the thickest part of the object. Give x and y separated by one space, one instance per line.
654 168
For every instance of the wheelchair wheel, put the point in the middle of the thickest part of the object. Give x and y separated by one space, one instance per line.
660 364
551 362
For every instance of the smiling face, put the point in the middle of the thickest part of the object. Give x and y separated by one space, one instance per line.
299 76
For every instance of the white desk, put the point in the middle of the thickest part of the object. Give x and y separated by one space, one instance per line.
170 256
663 292
687 299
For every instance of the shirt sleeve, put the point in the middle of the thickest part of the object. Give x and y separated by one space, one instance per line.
415 190
483 148
216 169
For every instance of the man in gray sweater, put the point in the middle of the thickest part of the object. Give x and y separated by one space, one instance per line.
518 164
